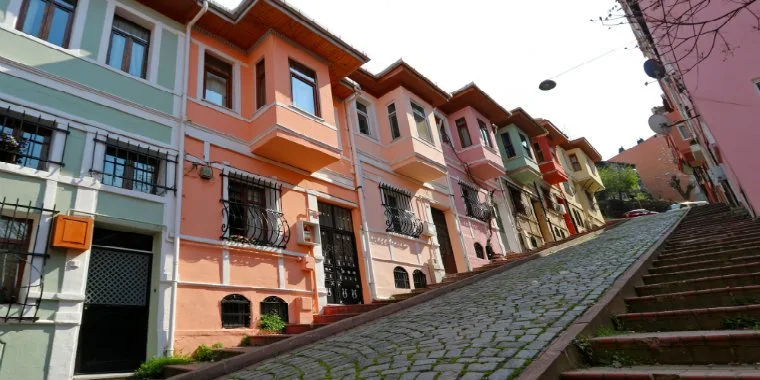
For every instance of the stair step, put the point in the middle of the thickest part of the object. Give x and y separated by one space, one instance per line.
294 329
713 318
734 228
730 254
178 369
682 347
229 352
333 318
403 296
714 282
667 372
348 309
696 299
706 250
709 261
701 273
264 340
702 241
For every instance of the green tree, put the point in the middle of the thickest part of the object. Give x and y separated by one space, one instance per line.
619 180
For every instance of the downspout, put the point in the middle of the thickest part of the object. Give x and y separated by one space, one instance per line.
359 184
180 179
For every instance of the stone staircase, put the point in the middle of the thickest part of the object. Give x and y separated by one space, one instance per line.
697 313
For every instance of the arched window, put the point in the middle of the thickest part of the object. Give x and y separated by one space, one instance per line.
420 280
401 278
479 251
533 242
275 305
489 252
236 311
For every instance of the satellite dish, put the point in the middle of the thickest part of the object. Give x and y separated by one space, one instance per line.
547 85
654 69
659 124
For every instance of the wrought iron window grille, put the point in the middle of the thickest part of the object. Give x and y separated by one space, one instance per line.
236 311
133 166
26 141
399 217
249 214
474 205
420 280
479 251
275 305
401 278
21 266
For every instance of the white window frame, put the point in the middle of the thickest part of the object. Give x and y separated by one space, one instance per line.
154 48
274 203
412 104
236 67
370 114
445 122
680 128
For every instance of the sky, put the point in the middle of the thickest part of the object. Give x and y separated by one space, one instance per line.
507 47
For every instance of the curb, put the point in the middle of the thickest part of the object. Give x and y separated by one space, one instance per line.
560 355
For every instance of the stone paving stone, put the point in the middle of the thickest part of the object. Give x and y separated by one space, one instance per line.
490 329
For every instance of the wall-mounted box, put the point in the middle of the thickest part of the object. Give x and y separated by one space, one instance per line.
72 232
308 233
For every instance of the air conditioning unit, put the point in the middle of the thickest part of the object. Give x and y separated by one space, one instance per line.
428 229
718 174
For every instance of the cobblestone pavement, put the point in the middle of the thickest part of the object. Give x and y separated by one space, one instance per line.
488 330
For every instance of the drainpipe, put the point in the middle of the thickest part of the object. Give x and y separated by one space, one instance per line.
359 184
546 214
456 224
180 179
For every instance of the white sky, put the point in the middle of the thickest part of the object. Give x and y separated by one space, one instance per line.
508 47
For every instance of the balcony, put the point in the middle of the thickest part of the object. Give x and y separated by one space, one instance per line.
416 159
252 224
522 169
698 153
483 162
552 171
289 135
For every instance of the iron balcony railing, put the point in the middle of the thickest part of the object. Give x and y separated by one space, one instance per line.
478 210
402 221
253 224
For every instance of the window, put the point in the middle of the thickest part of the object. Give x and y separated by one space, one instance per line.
592 167
393 121
401 278
236 311
133 167
757 84
575 163
525 145
568 188
548 199
489 252
261 84
217 83
251 213
578 219
128 51
517 202
683 129
14 247
420 280
423 128
474 207
479 252
276 306
539 154
508 147
25 142
303 87
464 134
445 139
49 20
399 217
591 201
485 137
362 113
533 242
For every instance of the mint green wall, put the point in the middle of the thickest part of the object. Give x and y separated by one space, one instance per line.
120 206
167 62
64 197
83 108
26 352
25 189
74 153
26 51
54 268
3 6
93 29
527 167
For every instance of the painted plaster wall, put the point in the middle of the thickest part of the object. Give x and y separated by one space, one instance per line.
25 344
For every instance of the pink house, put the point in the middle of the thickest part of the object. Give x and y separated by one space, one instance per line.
717 92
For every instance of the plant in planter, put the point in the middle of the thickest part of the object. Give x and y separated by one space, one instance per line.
271 324
10 148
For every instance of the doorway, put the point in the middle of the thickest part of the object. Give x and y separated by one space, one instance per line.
342 278
447 252
114 331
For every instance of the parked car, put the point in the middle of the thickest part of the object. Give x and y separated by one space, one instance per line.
638 212
678 206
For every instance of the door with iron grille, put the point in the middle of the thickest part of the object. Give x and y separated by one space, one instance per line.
447 252
114 331
342 279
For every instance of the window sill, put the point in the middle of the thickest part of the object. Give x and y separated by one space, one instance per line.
306 113
369 138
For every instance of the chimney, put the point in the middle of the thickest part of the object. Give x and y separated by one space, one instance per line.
639 141
621 150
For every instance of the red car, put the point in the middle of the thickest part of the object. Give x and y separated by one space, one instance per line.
638 212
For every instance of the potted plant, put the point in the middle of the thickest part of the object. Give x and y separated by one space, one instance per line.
271 324
10 148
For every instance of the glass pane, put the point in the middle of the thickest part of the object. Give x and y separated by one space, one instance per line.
113 169
424 131
116 54
137 60
131 29
34 15
363 124
216 89
303 95
59 26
